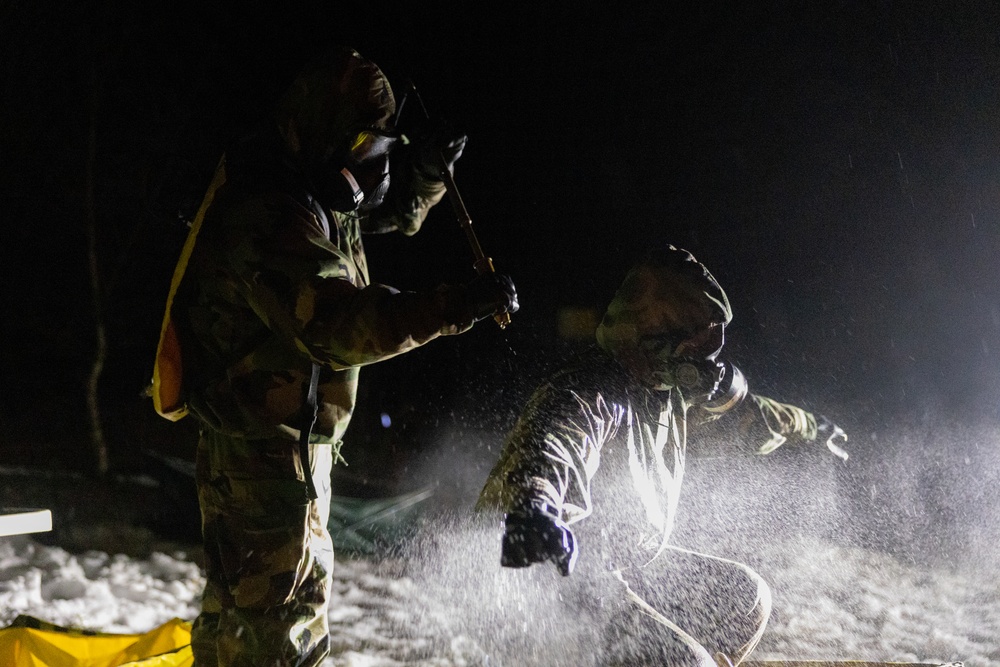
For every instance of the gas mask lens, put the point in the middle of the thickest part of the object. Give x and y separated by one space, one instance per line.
370 144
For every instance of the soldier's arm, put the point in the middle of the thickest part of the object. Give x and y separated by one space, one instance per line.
552 454
411 196
768 424
304 288
542 481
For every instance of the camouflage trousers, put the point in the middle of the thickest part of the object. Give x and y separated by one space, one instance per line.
686 608
268 554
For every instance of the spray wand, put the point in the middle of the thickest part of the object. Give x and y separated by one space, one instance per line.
483 264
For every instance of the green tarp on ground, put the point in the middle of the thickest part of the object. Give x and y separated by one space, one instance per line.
369 526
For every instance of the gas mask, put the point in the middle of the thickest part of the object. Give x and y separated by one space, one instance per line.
715 386
355 176
688 363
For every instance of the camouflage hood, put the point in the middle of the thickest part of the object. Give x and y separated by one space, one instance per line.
666 298
331 97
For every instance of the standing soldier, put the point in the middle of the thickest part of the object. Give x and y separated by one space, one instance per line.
624 407
273 316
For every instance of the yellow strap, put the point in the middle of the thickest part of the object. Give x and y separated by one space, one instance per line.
167 368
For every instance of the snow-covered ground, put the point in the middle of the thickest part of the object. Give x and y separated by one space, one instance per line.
878 565
830 602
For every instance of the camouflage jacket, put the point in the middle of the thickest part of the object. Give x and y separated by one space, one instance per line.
593 415
276 282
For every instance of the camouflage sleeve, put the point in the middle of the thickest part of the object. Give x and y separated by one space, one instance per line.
411 195
552 454
305 287
768 424
784 422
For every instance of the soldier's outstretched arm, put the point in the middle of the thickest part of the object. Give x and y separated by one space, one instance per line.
769 424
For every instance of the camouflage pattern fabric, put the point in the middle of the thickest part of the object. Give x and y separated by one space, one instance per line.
667 297
594 441
593 404
331 96
604 412
686 608
268 555
609 394
276 283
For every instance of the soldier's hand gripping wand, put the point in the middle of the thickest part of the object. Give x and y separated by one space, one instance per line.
483 264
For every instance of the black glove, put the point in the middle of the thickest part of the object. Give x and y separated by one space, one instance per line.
534 536
827 431
433 145
491 294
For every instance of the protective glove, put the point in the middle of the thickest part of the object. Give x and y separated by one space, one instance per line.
491 294
534 536
433 145
827 430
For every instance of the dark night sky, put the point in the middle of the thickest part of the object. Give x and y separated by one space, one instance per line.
834 164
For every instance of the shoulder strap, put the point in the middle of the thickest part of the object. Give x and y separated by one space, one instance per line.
310 406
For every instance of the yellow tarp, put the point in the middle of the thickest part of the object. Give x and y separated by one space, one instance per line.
29 642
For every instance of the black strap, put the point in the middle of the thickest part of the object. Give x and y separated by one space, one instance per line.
309 409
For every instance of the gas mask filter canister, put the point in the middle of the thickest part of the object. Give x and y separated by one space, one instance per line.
715 386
